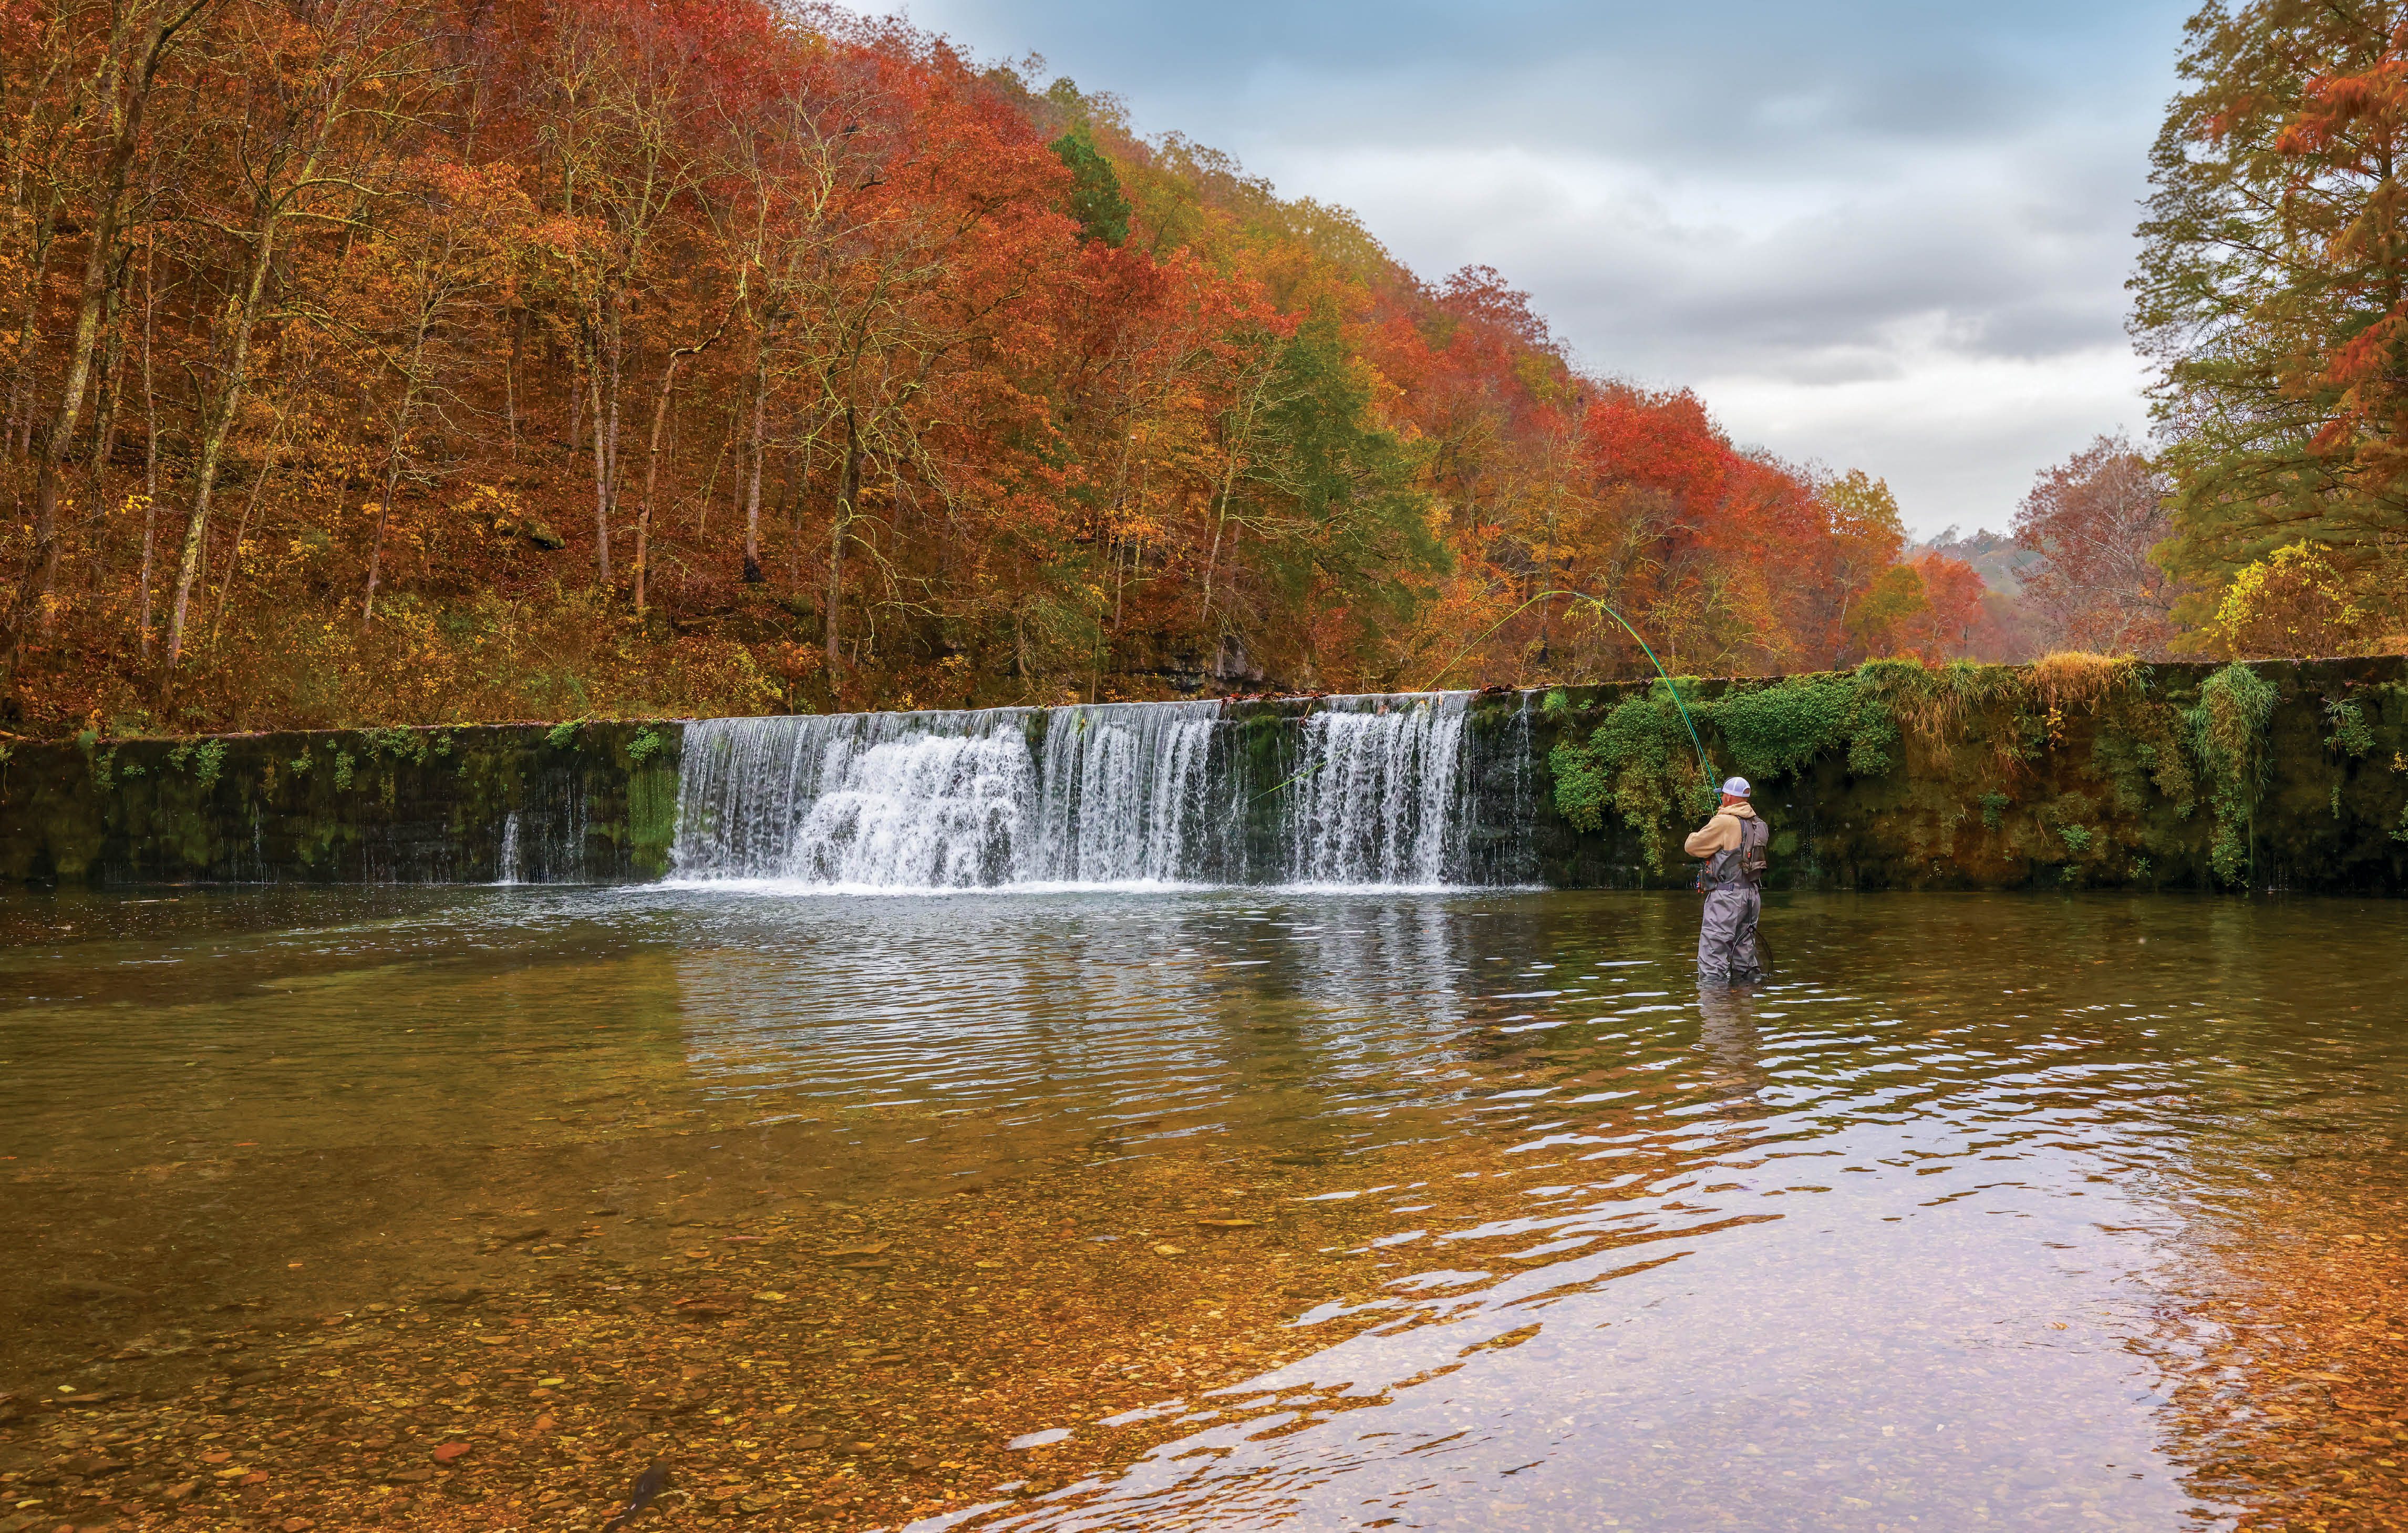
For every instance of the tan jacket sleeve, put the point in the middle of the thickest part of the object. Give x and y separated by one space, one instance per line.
1720 833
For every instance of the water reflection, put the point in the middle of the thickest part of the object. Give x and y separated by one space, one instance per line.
1547 1237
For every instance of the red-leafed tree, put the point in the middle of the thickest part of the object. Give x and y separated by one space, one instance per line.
2096 520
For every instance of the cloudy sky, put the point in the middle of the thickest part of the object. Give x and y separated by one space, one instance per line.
1882 233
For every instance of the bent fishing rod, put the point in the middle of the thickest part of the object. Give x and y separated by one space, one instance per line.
1705 763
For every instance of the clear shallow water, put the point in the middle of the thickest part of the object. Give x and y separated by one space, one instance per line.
1903 1239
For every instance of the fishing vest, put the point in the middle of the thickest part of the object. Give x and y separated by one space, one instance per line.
1740 866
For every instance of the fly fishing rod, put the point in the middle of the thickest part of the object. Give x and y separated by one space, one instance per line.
1705 763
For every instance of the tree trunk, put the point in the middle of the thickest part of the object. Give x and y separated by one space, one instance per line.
576 398
267 467
29 324
400 438
848 494
718 460
112 372
653 459
652 476
601 468
613 380
752 575
384 515
219 423
511 380
150 449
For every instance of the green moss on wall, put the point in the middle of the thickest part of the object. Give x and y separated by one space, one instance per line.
2077 771
401 805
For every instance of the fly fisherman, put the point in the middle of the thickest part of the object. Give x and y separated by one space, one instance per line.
1733 843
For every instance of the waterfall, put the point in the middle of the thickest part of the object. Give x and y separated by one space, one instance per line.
1376 802
1352 790
1126 793
883 800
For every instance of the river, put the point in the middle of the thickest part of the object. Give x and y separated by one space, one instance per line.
1194 1210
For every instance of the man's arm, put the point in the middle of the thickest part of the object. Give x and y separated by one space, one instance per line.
1719 833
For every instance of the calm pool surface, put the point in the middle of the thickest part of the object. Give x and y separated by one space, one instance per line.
1222 1209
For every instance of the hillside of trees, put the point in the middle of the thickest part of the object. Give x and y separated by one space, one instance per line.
412 361
402 361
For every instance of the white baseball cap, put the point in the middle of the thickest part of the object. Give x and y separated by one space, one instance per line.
1736 788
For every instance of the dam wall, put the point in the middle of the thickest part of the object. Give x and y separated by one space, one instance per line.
2075 773
585 803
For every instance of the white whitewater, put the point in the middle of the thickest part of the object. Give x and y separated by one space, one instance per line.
1355 791
510 868
1378 801
1126 793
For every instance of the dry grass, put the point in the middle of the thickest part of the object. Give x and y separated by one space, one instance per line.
2073 679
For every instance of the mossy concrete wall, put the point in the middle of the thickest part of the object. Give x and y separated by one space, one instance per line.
2284 775
570 803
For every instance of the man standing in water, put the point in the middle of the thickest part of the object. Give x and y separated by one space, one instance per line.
1733 843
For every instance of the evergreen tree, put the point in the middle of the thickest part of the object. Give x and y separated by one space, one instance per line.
2273 288
1094 199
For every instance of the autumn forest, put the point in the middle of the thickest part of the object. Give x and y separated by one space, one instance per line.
421 360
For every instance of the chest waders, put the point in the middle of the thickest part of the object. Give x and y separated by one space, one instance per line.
1726 952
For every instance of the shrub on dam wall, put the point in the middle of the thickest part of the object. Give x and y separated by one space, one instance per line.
2077 771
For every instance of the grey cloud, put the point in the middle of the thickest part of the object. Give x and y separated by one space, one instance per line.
1798 208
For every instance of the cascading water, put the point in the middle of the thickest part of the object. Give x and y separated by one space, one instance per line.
1377 800
1353 791
510 866
897 800
1126 793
